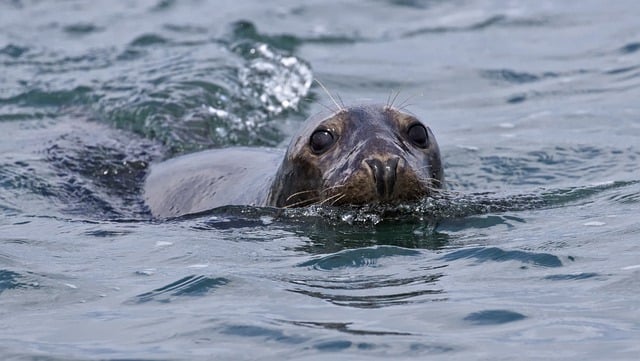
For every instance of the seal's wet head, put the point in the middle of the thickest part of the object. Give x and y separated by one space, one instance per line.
359 155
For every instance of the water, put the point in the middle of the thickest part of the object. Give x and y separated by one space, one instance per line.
533 254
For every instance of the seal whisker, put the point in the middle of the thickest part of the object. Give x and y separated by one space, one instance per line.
342 195
305 202
394 99
340 108
312 199
341 101
405 106
299 193
453 182
322 104
333 187
424 167
432 184
405 103
332 198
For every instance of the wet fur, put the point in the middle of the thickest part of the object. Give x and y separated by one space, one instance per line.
340 176
343 174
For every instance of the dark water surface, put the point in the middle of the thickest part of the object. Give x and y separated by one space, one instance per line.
533 254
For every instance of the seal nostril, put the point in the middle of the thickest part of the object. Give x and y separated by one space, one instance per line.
378 174
384 175
390 174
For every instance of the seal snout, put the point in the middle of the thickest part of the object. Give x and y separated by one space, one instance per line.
384 173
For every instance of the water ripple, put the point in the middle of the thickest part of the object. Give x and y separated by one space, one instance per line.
495 254
13 51
148 40
369 282
374 301
630 48
100 175
357 257
187 286
10 280
269 334
540 167
515 77
81 29
202 101
493 317
186 93
571 277
497 20
368 290
345 327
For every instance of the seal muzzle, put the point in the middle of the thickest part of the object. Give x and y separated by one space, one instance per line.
384 175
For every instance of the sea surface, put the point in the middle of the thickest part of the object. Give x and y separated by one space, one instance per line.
533 253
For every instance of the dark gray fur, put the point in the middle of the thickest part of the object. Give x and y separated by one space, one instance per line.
366 138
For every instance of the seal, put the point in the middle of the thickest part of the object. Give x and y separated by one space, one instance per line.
357 155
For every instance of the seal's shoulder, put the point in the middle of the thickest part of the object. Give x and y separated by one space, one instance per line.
204 180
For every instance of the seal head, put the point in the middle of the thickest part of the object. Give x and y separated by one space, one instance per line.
359 155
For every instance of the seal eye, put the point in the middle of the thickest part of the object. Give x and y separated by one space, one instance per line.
321 140
418 135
